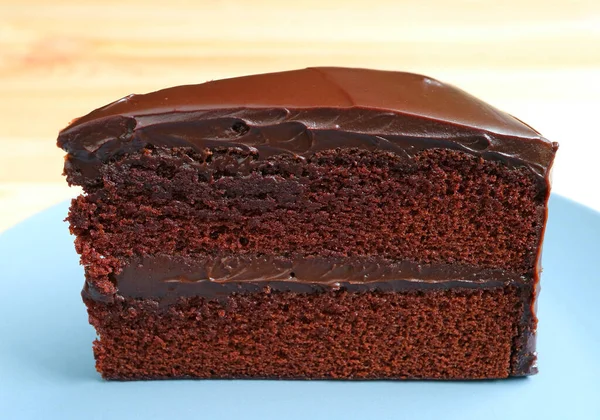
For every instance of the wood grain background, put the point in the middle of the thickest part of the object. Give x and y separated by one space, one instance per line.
539 60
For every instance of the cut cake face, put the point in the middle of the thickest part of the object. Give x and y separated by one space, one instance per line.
319 223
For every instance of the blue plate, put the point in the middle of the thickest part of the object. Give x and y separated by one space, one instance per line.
47 368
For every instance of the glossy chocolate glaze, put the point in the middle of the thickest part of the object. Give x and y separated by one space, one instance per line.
305 111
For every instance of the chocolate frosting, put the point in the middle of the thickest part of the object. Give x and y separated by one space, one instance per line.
302 112
328 87
167 278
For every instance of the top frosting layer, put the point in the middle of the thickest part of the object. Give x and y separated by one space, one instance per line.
305 111
326 87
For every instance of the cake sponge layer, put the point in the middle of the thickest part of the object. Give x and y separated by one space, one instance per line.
436 334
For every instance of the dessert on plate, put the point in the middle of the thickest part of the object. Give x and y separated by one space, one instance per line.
318 223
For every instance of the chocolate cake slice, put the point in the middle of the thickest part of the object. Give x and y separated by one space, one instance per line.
319 223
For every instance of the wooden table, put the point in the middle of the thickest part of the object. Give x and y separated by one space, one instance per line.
537 59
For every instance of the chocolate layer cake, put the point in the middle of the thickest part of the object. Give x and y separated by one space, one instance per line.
320 223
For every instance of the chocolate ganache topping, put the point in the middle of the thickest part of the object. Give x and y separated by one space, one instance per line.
302 112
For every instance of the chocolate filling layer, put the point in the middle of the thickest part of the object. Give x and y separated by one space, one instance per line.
169 277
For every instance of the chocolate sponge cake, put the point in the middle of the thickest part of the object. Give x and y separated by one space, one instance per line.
319 223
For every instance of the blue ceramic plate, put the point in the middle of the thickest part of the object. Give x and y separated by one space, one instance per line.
47 368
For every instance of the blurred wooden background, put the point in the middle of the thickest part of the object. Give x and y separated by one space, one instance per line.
539 60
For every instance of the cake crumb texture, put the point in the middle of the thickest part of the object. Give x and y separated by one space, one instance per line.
436 334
